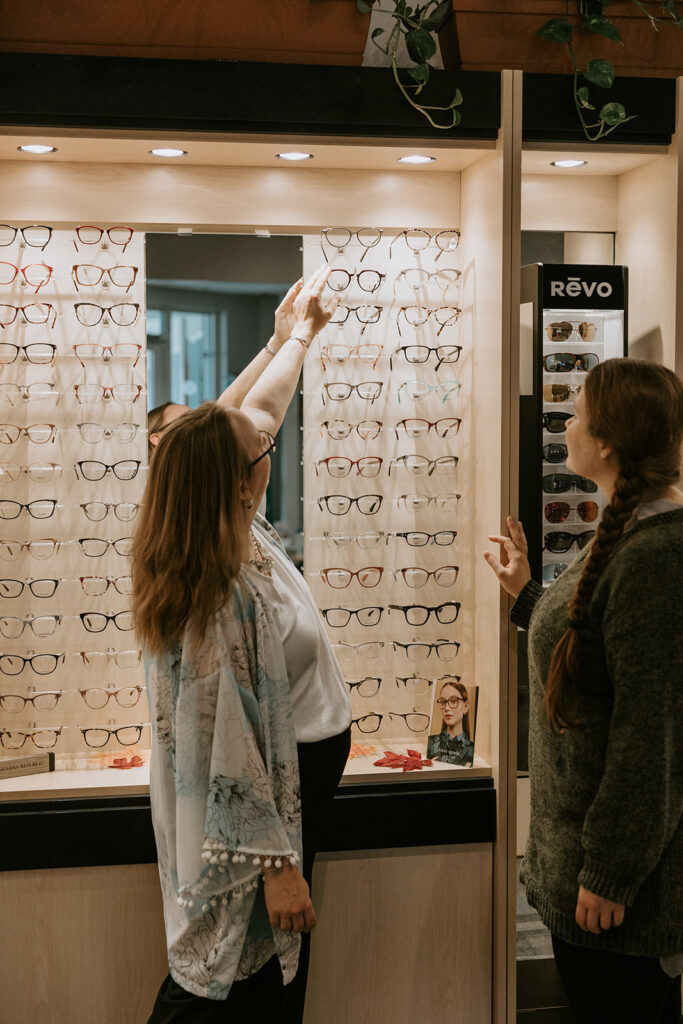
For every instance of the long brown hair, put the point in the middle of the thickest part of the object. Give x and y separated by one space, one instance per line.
462 690
188 544
636 407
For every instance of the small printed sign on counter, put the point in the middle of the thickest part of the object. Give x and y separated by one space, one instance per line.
13 767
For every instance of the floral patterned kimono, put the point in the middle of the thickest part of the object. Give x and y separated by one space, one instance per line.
224 790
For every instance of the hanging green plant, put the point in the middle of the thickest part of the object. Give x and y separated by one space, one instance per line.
596 124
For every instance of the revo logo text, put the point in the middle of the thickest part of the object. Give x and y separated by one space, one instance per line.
574 286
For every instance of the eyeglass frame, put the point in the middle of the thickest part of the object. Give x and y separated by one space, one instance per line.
272 447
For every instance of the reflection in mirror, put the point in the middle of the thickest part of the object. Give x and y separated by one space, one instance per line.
210 306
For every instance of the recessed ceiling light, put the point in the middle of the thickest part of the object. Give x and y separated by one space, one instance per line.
294 156
568 163
38 150
167 152
416 158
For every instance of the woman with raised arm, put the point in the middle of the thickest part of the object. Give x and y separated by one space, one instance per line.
250 712
604 859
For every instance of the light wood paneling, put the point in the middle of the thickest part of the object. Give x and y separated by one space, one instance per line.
404 935
81 945
288 199
562 203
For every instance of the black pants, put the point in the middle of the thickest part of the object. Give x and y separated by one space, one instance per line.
612 988
263 998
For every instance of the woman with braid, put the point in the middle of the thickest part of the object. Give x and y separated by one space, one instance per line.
604 859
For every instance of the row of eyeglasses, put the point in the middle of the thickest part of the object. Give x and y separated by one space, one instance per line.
370 390
417 240
43 548
370 504
370 354
94 697
85 469
83 275
45 508
42 353
12 627
38 236
45 739
89 314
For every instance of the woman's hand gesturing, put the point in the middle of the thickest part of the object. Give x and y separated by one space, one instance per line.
512 569
284 315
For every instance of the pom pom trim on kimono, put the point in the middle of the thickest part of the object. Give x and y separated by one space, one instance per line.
215 854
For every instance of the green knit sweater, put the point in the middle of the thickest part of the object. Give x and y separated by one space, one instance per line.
607 797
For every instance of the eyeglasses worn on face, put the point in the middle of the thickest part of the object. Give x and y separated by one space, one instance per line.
450 702
269 446
36 236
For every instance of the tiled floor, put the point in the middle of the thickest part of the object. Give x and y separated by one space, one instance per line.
540 999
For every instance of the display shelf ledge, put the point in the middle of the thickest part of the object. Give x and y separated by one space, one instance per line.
362 771
100 782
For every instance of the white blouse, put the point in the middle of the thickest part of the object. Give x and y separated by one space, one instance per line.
320 699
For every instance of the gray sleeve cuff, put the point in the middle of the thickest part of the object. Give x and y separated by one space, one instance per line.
520 613
607 882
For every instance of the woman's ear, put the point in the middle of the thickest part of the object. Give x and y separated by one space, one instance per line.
154 439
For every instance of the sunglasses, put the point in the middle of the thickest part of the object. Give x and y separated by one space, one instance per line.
551 571
562 331
554 452
560 541
559 511
558 392
560 483
566 362
556 422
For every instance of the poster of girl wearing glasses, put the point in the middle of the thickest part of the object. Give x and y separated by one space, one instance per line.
453 722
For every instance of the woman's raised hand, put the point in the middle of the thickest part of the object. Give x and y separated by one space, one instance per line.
512 569
310 315
284 315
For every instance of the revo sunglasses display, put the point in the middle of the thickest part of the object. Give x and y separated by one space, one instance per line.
567 362
561 541
560 483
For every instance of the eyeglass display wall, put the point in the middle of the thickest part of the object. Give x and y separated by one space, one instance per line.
73 455
384 422
578 319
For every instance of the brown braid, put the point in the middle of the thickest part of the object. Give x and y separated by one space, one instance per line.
628 408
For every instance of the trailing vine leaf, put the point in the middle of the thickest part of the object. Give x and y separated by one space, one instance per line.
603 27
438 16
557 30
612 114
420 45
364 7
583 96
419 74
600 72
